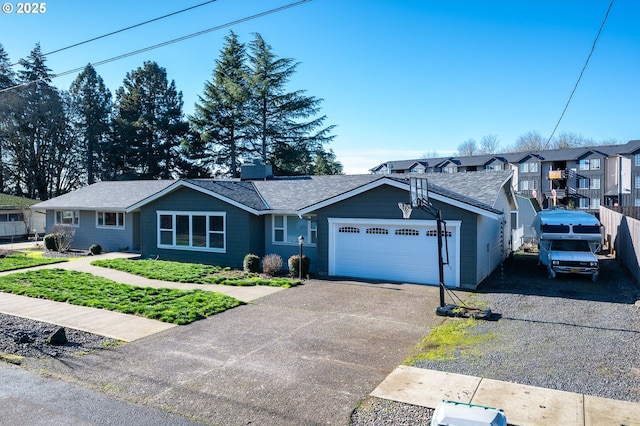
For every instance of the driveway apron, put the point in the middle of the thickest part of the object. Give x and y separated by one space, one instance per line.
305 355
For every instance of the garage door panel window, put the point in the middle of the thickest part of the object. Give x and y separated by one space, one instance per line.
434 233
192 231
406 231
287 229
378 231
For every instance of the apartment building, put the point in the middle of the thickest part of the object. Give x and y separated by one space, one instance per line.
582 177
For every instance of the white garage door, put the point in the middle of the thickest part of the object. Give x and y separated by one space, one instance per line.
397 250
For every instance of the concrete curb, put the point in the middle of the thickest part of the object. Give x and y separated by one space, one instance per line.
523 405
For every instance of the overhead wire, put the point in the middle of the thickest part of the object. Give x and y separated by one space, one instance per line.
166 43
118 31
575 87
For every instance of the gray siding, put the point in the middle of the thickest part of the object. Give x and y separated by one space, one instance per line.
110 239
288 250
244 231
382 203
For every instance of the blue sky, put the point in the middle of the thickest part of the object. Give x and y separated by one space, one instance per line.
400 79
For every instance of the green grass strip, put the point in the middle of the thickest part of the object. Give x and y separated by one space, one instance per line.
20 261
196 273
80 288
449 340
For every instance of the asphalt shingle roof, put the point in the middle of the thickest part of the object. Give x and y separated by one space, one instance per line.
280 194
113 195
562 154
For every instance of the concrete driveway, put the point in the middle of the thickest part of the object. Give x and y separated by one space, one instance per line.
306 355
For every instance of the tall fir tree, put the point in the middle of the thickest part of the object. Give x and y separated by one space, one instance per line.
7 80
38 130
220 117
149 126
92 103
286 129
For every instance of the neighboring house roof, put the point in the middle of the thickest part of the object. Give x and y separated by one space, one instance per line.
292 195
561 154
108 195
12 202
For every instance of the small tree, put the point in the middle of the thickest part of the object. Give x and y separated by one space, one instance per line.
63 236
271 264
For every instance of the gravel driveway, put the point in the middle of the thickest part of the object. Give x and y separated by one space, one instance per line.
568 334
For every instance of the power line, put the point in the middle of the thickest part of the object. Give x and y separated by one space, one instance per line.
118 31
166 43
581 73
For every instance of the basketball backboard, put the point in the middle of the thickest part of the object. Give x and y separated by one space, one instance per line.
419 190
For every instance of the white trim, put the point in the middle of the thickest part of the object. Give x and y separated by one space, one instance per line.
114 227
55 218
182 184
400 185
191 247
454 225
307 237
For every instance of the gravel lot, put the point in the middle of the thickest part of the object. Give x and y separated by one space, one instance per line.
28 338
568 334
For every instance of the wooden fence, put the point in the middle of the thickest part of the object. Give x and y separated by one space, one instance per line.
622 237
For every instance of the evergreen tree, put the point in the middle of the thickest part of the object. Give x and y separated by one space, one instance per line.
149 126
326 164
38 130
279 127
220 117
7 79
92 106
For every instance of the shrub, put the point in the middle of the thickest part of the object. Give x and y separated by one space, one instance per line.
294 262
95 249
50 242
271 264
251 263
63 236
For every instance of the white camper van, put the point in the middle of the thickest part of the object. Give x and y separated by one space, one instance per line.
568 241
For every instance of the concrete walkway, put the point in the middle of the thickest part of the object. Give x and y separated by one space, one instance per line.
110 324
523 405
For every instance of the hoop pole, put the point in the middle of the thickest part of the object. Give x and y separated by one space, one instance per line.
440 260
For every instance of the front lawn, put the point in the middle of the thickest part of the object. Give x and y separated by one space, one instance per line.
79 288
19 260
191 273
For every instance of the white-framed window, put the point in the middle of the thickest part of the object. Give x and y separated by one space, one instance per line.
589 164
526 185
595 203
583 183
583 203
637 182
494 166
204 231
450 169
110 220
287 229
594 183
637 159
529 167
68 217
637 202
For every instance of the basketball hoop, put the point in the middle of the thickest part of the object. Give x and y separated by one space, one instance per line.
406 210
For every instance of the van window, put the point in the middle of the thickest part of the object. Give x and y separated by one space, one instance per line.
586 229
555 229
